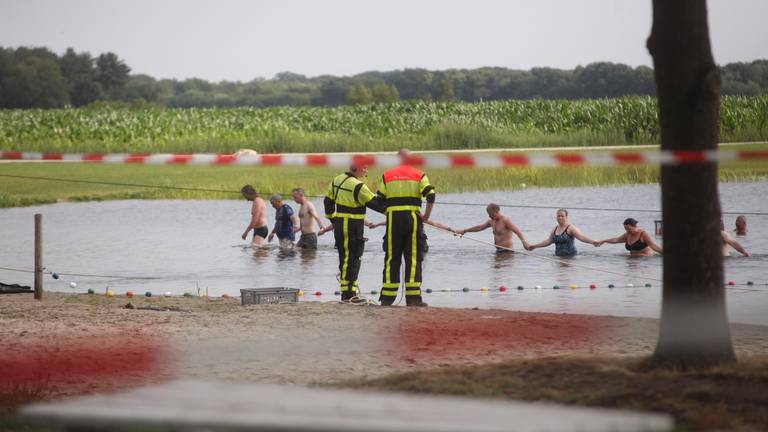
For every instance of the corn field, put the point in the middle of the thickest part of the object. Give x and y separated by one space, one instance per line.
420 125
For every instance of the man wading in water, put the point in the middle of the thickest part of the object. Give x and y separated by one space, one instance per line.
503 228
286 223
258 216
307 217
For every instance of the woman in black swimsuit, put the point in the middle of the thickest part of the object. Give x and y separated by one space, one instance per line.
636 241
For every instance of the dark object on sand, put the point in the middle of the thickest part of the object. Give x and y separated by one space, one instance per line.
14 289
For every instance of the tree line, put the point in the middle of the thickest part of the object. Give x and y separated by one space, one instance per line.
39 78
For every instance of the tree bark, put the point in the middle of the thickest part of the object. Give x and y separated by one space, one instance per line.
694 326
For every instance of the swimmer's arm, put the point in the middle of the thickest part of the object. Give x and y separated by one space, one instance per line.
296 224
372 225
734 244
439 225
651 243
476 228
315 216
325 230
546 242
620 239
579 235
517 232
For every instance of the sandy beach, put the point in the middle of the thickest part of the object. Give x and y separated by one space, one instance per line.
70 344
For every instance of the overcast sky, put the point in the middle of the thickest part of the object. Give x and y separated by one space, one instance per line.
244 39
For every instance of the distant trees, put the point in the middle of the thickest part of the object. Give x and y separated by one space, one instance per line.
31 78
81 77
359 94
112 74
38 78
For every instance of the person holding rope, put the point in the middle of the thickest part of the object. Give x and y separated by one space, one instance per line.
638 242
402 189
563 237
503 228
345 203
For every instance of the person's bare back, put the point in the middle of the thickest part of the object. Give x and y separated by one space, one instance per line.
258 221
259 212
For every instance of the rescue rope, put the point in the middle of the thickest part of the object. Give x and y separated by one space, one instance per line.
361 300
559 261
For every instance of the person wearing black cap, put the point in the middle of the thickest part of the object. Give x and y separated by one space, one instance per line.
637 241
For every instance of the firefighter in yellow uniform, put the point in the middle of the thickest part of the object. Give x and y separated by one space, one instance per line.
345 203
401 191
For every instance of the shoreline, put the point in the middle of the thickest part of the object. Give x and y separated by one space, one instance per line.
100 345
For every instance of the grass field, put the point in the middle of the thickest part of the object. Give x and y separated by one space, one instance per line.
80 182
418 125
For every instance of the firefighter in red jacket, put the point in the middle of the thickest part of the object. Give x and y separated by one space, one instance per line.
402 190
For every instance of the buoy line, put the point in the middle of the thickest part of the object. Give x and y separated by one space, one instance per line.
46 271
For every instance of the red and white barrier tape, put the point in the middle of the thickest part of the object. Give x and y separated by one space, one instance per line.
431 160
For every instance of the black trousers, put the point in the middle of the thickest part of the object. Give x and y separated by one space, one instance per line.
348 233
404 243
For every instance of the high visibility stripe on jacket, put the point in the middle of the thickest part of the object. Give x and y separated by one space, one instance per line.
403 188
346 197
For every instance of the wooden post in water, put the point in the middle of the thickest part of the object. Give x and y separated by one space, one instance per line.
38 256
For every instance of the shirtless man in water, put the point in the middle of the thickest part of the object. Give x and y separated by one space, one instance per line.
730 241
503 228
258 216
307 217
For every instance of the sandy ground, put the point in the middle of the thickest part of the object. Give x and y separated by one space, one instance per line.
79 343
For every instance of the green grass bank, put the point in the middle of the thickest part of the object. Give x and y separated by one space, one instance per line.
26 184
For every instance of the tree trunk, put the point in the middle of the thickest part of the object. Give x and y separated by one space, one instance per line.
694 326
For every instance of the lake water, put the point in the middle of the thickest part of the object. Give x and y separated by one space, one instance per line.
189 245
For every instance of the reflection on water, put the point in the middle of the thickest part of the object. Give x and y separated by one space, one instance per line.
145 238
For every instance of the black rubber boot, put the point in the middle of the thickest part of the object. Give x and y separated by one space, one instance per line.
415 301
386 301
